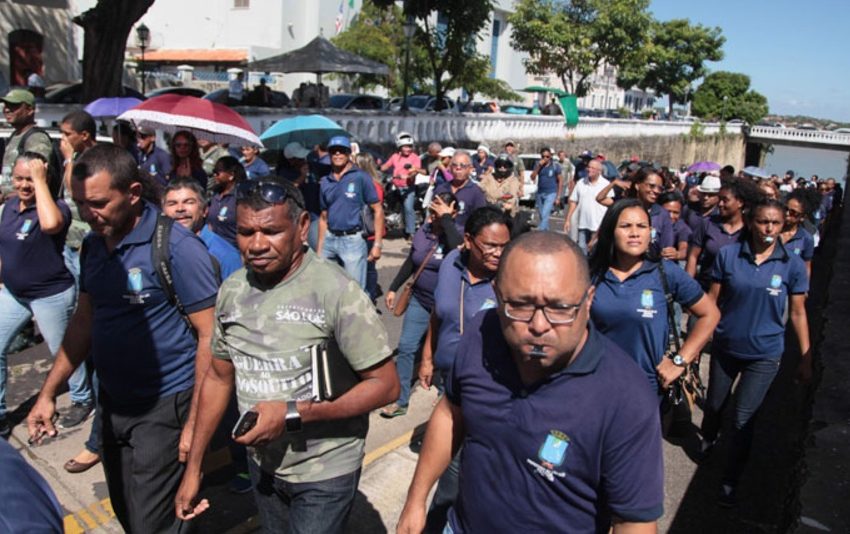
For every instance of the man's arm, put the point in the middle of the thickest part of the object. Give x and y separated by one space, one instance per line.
442 440
75 347
569 216
215 392
559 190
378 210
693 255
625 527
202 322
323 227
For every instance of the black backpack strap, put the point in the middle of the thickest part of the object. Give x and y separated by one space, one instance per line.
160 257
671 315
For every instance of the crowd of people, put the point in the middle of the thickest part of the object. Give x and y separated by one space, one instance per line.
256 312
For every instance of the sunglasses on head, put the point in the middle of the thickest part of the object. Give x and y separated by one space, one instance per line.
271 192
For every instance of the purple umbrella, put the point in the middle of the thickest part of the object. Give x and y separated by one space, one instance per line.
111 107
704 166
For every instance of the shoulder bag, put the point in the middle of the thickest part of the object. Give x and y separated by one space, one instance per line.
403 299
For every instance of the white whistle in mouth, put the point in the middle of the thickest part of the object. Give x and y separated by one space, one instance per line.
537 351
768 239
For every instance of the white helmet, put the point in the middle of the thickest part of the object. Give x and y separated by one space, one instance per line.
403 139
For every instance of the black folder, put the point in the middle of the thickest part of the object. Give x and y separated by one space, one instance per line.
332 375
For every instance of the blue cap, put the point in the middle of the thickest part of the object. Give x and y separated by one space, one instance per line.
340 140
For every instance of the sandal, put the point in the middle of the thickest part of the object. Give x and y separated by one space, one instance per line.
393 410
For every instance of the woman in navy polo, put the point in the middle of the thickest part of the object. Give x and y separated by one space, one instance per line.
629 306
36 281
797 240
186 158
433 240
752 280
719 230
646 185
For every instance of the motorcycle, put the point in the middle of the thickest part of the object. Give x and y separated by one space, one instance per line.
394 205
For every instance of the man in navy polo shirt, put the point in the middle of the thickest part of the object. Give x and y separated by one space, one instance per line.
143 349
221 218
559 431
344 193
469 196
154 162
550 178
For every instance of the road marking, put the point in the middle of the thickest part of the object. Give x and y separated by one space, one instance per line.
387 448
83 514
97 514
72 526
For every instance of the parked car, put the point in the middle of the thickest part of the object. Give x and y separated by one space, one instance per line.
362 102
424 103
70 93
529 188
278 99
179 90
807 126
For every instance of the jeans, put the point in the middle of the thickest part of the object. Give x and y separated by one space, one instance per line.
756 377
544 202
584 238
52 314
93 443
350 251
444 497
413 329
72 262
314 507
409 195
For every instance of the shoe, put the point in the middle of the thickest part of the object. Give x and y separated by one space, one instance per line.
240 484
393 410
727 497
5 428
76 414
73 466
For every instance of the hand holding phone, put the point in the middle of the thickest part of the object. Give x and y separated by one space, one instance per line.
245 423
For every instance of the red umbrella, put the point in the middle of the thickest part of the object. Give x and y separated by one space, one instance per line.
204 118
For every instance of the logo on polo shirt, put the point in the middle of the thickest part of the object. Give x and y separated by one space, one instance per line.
775 288
551 455
135 286
653 234
647 302
222 214
797 251
26 228
438 252
488 304
461 205
351 191
292 314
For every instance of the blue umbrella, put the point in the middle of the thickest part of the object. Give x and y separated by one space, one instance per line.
110 107
308 130
756 172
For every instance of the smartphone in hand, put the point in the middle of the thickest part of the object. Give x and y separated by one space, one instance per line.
245 423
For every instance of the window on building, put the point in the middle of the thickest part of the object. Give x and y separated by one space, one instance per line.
241 4
494 46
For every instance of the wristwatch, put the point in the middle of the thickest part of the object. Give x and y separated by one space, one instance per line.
678 360
293 418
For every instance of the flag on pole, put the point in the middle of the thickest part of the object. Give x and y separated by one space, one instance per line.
339 17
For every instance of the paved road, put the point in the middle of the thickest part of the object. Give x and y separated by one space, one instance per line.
391 458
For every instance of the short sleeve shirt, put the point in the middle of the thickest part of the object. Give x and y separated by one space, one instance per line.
142 348
753 298
156 166
343 198
633 313
228 258
267 335
221 216
681 232
801 244
32 262
256 169
562 455
469 197
38 142
547 178
662 229
401 176
710 236
590 212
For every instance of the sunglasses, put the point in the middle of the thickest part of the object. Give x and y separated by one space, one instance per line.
271 192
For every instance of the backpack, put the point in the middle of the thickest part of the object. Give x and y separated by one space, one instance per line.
55 168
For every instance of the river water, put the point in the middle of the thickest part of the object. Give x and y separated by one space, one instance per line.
807 161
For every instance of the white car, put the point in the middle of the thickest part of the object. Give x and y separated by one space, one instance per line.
529 188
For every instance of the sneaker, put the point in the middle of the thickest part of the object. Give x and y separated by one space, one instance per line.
76 414
727 497
393 410
240 484
5 428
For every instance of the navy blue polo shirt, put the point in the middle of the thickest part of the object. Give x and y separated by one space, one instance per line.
681 232
633 313
456 301
221 215
142 348
562 455
344 198
256 169
547 178
469 197
710 236
33 265
228 257
801 244
156 165
29 505
753 299
662 229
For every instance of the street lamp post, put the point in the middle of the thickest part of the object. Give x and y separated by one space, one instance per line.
723 112
143 38
409 29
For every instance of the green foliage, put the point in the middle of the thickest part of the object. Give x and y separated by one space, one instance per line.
697 130
573 39
475 80
740 101
673 59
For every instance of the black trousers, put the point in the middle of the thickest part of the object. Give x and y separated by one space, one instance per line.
139 454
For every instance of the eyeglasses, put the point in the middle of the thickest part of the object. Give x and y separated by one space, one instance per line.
11 108
461 165
554 313
654 187
269 191
339 150
489 248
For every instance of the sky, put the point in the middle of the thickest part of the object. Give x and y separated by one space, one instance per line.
797 53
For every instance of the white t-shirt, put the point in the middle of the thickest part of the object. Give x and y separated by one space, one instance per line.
589 211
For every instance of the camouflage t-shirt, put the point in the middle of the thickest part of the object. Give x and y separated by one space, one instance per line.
38 142
267 335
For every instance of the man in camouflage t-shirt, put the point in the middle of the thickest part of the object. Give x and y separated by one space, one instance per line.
268 315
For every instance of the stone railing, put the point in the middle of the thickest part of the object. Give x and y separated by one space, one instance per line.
381 127
824 137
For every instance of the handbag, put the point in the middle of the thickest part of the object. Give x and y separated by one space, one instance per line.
403 299
688 387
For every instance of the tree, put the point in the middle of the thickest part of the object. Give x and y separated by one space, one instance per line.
106 28
574 39
376 33
673 58
474 79
740 101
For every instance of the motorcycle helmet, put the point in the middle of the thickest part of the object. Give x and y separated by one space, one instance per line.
503 166
403 139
